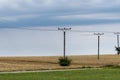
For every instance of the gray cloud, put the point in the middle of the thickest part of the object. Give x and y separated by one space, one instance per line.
42 12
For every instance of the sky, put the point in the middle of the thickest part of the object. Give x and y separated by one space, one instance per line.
34 15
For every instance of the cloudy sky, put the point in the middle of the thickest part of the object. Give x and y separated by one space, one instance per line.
83 15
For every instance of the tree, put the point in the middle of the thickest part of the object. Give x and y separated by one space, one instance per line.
118 50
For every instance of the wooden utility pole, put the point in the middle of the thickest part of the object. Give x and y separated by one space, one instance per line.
117 33
64 40
98 34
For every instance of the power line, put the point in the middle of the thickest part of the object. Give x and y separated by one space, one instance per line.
43 29
91 31
34 29
37 29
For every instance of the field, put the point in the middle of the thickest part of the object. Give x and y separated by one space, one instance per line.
51 63
89 74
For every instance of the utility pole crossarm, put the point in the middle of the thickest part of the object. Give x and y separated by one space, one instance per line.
64 29
117 33
98 34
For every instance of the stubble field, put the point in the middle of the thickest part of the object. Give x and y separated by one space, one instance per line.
51 63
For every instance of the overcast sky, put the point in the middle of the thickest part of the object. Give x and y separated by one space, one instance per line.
15 13
84 15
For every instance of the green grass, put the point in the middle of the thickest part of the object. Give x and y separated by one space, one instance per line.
89 74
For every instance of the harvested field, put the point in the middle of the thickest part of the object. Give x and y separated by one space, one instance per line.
48 63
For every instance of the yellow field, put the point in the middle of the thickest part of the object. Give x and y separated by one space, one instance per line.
44 63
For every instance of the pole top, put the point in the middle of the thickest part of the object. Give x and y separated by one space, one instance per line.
117 33
64 29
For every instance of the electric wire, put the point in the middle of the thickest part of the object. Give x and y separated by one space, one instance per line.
36 29
46 29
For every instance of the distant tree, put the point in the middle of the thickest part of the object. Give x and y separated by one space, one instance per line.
118 50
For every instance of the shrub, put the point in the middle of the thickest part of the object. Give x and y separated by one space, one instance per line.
118 50
64 61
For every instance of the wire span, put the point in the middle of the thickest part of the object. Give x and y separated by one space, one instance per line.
43 29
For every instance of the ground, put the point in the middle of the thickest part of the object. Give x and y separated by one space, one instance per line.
51 63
